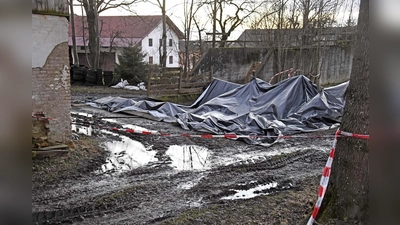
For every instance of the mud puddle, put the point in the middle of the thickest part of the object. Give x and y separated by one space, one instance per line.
126 154
189 157
252 192
86 130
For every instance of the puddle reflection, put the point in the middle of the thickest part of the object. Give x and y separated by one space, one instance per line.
126 155
188 157
252 192
82 129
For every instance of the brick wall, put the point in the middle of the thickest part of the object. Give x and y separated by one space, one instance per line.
51 94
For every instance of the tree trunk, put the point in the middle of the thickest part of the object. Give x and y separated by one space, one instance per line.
224 38
164 37
72 18
347 194
305 28
92 20
214 23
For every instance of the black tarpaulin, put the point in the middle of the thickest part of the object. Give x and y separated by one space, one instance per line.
256 109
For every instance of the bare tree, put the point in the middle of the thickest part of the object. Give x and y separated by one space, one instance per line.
227 21
93 8
189 13
347 193
200 27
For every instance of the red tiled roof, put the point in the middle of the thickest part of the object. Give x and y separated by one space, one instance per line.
123 27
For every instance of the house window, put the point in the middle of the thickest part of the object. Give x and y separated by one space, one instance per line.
150 59
150 42
170 42
171 59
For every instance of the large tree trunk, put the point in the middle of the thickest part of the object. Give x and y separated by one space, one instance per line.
347 193
94 35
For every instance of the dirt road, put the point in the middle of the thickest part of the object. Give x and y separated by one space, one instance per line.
116 177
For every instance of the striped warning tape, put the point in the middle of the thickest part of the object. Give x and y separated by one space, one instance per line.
208 136
327 172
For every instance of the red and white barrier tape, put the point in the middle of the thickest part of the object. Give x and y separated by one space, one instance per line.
327 172
227 136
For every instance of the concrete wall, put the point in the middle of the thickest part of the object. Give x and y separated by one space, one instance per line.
332 63
51 93
230 64
234 64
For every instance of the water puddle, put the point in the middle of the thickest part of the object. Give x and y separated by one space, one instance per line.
252 192
126 155
82 129
188 157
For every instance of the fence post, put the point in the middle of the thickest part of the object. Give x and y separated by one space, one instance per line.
211 73
180 81
148 81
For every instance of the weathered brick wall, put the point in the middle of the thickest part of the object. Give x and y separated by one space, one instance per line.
51 93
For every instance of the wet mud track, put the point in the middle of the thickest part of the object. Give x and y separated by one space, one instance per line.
166 176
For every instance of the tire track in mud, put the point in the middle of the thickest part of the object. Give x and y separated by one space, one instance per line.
283 170
151 194
126 197
138 190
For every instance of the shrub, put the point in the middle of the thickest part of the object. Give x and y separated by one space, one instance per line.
131 66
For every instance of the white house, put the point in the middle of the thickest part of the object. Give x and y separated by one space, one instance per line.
117 32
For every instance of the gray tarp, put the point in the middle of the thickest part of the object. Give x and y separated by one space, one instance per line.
256 108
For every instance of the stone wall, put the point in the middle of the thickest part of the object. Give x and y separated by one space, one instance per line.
51 90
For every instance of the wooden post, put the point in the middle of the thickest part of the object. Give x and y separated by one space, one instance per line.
148 81
180 81
211 73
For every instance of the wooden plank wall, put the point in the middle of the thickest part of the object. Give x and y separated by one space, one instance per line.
172 82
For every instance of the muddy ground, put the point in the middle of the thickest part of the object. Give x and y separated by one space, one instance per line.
115 177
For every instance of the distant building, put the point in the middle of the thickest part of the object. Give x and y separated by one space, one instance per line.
117 32
51 94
